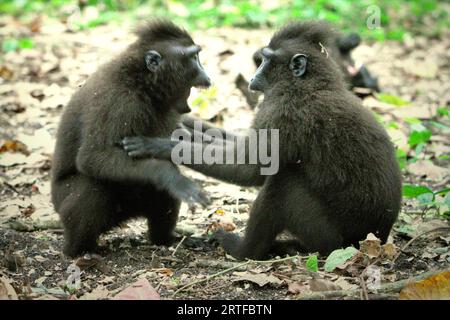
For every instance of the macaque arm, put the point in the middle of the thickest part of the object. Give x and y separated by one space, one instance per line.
241 174
111 163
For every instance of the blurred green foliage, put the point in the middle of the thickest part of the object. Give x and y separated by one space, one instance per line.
397 17
14 44
391 99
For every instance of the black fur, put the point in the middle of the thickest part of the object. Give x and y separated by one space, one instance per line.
339 48
338 180
95 185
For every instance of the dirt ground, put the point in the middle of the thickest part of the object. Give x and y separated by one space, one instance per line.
35 84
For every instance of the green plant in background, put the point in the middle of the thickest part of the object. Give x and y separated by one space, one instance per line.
339 257
429 199
443 112
419 135
312 263
402 158
16 44
204 97
398 18
391 99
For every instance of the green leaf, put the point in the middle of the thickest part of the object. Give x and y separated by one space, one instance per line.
425 199
9 45
419 148
440 125
412 120
396 34
405 229
401 158
410 191
391 99
26 43
419 134
443 191
447 200
442 111
312 264
14 44
338 257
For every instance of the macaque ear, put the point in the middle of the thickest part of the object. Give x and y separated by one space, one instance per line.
152 60
349 42
298 64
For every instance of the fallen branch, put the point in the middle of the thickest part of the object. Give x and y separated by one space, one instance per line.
35 225
236 266
394 287
217 264
364 293
178 245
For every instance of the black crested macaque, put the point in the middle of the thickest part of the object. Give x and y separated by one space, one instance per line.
143 91
338 177
340 47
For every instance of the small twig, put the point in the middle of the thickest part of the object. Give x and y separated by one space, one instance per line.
231 269
362 282
131 256
178 245
394 287
364 295
417 237
210 277
11 187
215 264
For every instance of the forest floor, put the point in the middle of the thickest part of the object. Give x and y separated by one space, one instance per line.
35 85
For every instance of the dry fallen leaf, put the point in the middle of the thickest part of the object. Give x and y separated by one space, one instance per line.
389 250
433 288
7 292
428 225
428 169
99 293
297 287
140 290
260 279
6 73
166 271
354 266
88 260
227 226
418 112
28 211
14 146
371 246
322 285
399 138
345 285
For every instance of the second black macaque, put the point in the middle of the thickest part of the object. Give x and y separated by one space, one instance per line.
338 177
143 91
340 46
